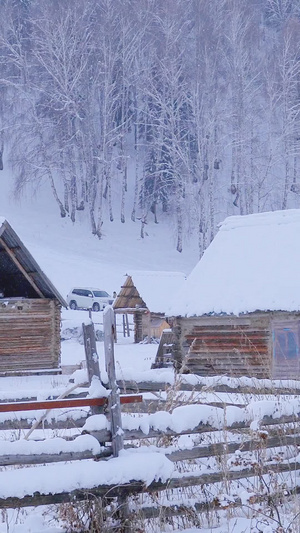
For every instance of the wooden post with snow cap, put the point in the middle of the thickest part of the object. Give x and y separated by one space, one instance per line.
114 398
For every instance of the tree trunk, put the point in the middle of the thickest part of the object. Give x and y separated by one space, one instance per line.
136 186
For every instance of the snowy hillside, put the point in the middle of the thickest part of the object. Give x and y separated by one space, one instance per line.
70 255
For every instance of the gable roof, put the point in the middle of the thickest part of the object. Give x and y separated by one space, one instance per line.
151 289
15 257
253 264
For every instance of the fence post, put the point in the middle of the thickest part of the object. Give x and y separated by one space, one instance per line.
92 359
114 398
124 330
117 442
115 326
127 325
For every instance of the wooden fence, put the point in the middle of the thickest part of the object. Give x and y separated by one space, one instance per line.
240 450
277 433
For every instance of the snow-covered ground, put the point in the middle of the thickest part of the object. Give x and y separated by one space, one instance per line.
71 256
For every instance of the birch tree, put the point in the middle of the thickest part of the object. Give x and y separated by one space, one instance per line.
209 86
63 51
288 72
201 97
167 160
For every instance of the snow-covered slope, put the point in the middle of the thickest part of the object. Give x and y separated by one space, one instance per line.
70 255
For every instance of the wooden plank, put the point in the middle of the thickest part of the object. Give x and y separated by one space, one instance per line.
92 359
211 450
219 336
117 442
114 397
150 386
26 423
62 404
127 324
130 310
124 326
225 448
233 347
105 436
42 458
138 487
32 372
167 338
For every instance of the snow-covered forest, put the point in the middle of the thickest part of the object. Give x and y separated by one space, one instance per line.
188 110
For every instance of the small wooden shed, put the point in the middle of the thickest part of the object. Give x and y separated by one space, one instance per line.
30 309
147 295
239 313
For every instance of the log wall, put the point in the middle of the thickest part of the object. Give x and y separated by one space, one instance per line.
238 345
29 334
231 346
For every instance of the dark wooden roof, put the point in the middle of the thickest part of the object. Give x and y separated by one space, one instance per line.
129 297
20 274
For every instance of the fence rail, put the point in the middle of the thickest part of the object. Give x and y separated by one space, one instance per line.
63 404
274 434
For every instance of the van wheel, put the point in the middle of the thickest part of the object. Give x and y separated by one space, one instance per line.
96 307
73 305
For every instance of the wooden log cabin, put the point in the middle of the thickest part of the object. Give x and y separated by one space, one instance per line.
146 295
239 313
30 309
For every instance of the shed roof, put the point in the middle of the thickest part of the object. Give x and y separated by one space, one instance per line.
15 259
151 289
251 265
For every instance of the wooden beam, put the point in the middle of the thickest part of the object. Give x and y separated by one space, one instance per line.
138 487
130 310
149 386
21 268
212 450
103 435
114 397
42 458
61 404
22 424
92 359
13 248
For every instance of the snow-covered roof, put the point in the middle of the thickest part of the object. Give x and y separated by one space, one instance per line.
252 264
157 288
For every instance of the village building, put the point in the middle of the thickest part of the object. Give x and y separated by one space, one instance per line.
239 312
30 309
146 295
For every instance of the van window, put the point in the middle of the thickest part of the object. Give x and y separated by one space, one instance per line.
82 292
101 294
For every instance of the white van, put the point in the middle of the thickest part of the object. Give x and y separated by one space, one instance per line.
88 298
